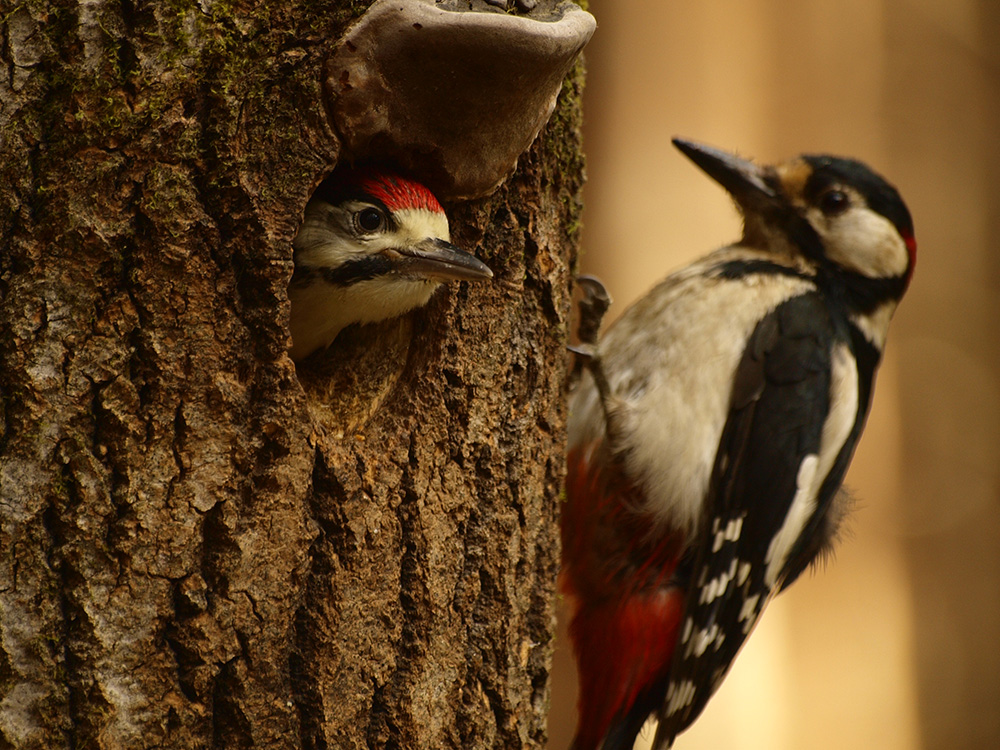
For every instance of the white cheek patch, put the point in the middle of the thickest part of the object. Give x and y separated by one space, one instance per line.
864 241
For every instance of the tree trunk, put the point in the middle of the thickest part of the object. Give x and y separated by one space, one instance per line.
202 547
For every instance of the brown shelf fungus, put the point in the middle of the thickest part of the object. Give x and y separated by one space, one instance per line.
452 91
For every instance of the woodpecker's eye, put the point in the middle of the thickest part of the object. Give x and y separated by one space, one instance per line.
370 219
834 202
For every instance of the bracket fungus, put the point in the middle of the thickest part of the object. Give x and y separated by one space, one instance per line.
453 91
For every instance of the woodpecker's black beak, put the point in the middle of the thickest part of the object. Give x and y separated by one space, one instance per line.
436 259
744 180
758 192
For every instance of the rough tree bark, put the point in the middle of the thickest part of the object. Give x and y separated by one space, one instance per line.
201 547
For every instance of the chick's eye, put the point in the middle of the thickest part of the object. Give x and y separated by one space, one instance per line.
834 202
370 219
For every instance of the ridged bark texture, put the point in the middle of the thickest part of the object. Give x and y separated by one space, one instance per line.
202 546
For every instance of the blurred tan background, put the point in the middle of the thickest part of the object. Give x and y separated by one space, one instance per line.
896 645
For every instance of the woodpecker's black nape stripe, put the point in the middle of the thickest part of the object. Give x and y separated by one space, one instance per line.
865 295
358 269
881 196
738 269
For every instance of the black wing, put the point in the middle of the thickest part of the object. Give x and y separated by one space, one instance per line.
780 401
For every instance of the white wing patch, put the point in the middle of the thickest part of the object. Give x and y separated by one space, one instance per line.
798 514
814 468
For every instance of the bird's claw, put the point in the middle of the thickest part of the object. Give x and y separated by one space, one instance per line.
593 306
585 352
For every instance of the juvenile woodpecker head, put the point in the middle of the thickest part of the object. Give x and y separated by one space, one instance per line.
836 214
372 246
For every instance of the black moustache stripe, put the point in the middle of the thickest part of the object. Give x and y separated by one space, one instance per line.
349 272
864 295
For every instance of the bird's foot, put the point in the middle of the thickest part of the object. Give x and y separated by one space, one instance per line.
593 305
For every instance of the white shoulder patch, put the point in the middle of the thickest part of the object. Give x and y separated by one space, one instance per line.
815 467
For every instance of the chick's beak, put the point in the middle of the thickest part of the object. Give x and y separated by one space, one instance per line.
434 258
744 180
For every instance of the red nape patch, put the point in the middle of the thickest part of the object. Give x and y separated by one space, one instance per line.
396 192
911 248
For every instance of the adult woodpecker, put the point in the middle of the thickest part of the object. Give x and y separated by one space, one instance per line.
372 246
710 437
